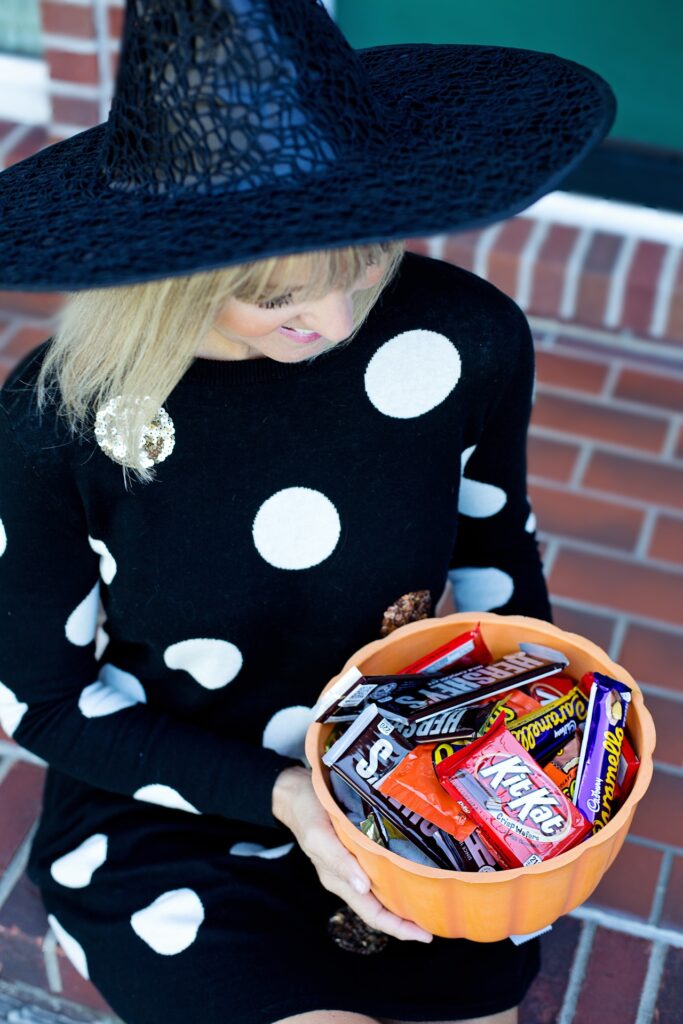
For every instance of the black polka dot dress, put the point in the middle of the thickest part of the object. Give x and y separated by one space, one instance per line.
295 504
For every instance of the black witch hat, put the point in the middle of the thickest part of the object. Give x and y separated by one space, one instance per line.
242 129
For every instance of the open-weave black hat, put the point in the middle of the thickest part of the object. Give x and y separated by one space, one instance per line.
242 129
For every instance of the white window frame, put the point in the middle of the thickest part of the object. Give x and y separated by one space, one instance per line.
24 94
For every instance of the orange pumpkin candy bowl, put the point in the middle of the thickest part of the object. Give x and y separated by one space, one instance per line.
487 906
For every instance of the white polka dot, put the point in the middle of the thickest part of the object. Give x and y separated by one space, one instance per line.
75 870
170 924
11 710
165 796
81 625
296 528
412 373
101 642
286 731
73 949
114 691
107 561
3 538
478 499
530 524
480 590
211 663
256 850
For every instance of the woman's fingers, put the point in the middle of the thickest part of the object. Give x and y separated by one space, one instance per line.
376 916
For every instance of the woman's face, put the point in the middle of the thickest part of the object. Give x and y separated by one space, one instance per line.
287 329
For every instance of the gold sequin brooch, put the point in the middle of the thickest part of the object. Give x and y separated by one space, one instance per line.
157 437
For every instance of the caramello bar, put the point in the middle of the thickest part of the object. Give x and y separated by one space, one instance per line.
599 762
551 726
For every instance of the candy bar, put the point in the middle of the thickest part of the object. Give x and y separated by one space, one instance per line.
414 783
367 750
466 650
563 767
454 724
523 815
414 698
597 774
513 705
549 727
628 767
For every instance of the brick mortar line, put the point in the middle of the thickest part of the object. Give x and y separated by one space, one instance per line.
646 531
581 465
606 359
67 43
105 47
675 771
617 554
650 989
626 405
573 268
618 634
19 132
485 244
664 291
17 866
611 447
671 441
15 753
573 604
614 307
436 245
613 497
52 971
655 844
622 343
614 370
577 972
528 261
627 926
660 692
660 888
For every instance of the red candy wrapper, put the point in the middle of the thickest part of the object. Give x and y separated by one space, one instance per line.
466 650
520 811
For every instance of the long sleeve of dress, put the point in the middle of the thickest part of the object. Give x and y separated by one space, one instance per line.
51 700
496 564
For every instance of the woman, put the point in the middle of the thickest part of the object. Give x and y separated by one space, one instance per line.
248 456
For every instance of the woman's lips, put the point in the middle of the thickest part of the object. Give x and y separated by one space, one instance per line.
299 336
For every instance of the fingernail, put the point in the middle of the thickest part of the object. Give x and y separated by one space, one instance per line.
359 884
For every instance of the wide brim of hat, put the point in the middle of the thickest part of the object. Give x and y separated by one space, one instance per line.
472 135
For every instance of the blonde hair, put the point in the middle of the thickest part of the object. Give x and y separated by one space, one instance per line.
137 341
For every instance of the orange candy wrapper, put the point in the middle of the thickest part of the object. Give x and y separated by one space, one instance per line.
414 783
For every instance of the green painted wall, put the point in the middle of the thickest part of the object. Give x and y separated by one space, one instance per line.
20 26
637 45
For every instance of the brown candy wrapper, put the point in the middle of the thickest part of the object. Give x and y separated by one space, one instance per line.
414 698
369 748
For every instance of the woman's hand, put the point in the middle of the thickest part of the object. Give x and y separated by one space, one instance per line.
296 806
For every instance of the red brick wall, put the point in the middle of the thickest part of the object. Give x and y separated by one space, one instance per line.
81 45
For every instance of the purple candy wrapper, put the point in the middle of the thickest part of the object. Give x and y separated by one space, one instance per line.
596 777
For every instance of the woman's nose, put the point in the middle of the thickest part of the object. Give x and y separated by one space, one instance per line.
331 316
